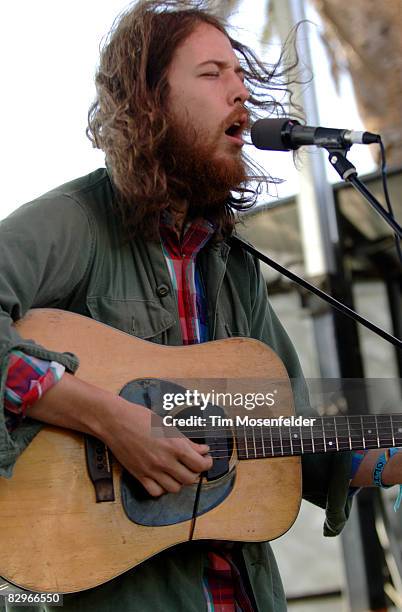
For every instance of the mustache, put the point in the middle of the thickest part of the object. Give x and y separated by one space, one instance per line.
240 114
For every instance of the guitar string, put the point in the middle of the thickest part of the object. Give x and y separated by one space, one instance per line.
253 455
297 447
289 444
328 433
288 451
294 449
345 438
369 430
309 448
275 428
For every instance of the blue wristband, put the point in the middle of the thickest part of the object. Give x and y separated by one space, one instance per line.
378 470
392 452
377 474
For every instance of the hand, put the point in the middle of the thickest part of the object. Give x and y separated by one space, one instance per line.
160 464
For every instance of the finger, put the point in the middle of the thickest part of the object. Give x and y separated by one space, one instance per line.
169 484
193 460
183 475
153 488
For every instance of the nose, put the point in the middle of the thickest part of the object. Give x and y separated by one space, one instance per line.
239 91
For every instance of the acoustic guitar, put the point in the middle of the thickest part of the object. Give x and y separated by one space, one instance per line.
72 518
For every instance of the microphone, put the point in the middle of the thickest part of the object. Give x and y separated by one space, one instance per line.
286 134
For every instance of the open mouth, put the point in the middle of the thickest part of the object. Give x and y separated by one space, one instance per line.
235 130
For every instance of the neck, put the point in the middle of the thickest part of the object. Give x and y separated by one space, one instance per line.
327 434
179 212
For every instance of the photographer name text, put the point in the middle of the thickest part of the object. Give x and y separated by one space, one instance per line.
214 420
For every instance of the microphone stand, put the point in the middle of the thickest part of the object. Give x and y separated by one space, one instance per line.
321 294
348 172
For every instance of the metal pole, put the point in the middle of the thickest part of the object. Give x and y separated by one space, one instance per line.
336 340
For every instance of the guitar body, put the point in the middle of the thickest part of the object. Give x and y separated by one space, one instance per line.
57 538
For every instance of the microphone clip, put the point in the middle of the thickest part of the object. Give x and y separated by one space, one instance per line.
337 159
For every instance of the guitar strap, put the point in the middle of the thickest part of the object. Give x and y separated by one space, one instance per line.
99 468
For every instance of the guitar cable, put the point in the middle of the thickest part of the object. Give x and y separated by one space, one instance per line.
196 504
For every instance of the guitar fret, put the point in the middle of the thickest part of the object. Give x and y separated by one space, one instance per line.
356 432
251 442
276 441
262 438
330 434
363 437
308 439
259 434
317 438
342 433
336 435
296 441
349 436
370 431
386 436
323 432
255 448
376 426
290 440
392 430
245 440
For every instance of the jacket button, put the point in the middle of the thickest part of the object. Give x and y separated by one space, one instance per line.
162 290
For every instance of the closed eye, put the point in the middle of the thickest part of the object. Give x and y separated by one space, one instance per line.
211 74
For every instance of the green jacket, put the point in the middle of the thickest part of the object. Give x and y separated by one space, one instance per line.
64 250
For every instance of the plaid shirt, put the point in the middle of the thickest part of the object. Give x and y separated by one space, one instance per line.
28 378
185 276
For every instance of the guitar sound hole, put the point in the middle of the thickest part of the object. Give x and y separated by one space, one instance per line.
221 446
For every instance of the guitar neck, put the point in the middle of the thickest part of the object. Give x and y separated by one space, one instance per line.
326 434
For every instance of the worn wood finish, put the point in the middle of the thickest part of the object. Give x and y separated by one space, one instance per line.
55 537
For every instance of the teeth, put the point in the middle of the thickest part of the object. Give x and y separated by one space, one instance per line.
234 128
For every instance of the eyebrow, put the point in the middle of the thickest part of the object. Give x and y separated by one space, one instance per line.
221 64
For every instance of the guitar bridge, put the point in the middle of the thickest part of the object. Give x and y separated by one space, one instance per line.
99 468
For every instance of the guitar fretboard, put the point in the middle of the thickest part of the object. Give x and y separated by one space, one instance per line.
327 434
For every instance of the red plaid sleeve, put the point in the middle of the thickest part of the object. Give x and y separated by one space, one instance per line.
28 378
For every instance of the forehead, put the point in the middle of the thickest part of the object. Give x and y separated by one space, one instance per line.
204 43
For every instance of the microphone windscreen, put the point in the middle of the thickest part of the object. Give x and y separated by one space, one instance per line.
267 134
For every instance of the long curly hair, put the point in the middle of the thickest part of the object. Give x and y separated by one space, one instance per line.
128 118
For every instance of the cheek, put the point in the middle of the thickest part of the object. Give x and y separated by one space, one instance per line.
193 110
198 108
175 103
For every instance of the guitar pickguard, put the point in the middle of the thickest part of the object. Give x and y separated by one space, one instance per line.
172 508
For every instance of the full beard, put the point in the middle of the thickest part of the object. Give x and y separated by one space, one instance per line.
196 174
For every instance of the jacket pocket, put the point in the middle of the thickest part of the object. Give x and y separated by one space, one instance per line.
146 319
